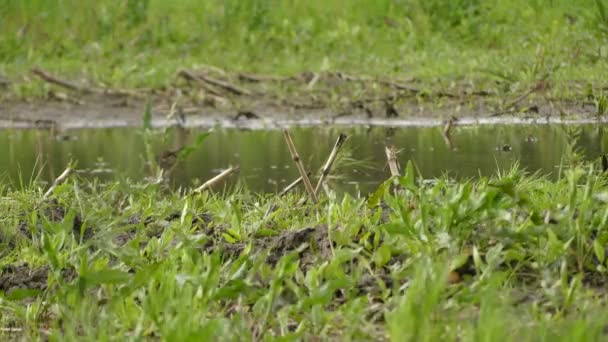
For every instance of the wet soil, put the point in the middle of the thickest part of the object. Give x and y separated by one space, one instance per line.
24 276
210 97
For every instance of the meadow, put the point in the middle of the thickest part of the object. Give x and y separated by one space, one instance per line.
515 256
499 47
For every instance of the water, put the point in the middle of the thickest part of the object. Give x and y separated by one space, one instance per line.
265 163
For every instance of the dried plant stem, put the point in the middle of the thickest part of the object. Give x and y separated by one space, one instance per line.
292 186
285 191
217 179
391 157
45 76
300 166
55 80
214 82
330 161
58 181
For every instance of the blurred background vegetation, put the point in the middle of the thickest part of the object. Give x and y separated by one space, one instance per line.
142 43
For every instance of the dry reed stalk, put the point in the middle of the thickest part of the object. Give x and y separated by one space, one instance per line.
296 158
391 157
55 80
58 181
217 179
292 186
214 82
330 160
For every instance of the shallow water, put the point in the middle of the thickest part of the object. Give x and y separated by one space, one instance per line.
265 163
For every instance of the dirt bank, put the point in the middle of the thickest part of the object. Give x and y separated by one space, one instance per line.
208 98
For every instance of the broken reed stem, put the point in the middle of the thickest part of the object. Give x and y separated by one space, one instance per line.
47 77
330 161
217 179
292 186
58 181
296 158
187 74
391 157
285 191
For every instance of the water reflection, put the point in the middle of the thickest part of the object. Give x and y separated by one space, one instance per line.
265 163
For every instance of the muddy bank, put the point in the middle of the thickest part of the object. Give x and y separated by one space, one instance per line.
92 115
198 98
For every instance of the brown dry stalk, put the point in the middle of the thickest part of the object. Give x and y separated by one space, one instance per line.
55 80
217 179
214 82
292 186
296 158
391 157
58 181
47 77
330 160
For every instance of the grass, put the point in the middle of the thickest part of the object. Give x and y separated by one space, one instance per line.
514 257
490 45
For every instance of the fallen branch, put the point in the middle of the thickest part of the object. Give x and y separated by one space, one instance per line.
45 76
330 161
214 82
188 75
55 80
217 179
300 166
58 181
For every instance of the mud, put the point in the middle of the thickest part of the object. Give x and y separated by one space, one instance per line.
313 244
50 115
13 277
205 98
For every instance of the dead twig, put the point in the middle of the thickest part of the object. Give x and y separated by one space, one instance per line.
284 192
45 76
58 181
217 179
214 82
261 78
330 160
296 158
188 75
55 80
292 186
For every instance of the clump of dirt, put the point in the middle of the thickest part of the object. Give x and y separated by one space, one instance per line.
201 222
54 212
314 241
25 277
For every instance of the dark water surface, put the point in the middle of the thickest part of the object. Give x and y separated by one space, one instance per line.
266 164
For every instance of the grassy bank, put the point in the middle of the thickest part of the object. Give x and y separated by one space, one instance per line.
511 257
490 45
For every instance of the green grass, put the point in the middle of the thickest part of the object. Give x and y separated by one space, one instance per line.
525 256
142 43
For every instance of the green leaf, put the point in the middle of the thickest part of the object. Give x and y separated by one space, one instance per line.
376 197
188 149
108 276
600 253
20 294
477 259
382 255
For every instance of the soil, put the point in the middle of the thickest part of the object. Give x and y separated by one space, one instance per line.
27 277
208 98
